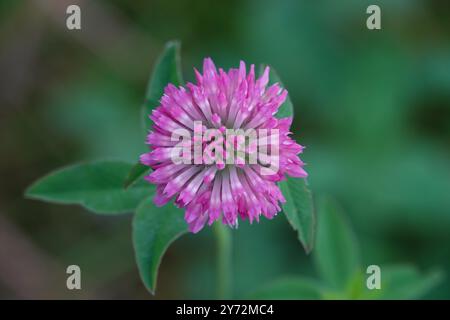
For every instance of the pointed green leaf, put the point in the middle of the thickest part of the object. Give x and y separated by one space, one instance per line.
97 186
137 171
299 209
336 253
154 229
166 70
289 288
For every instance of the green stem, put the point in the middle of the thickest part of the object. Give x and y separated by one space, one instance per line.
223 250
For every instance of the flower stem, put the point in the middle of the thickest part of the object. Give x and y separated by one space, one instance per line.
223 250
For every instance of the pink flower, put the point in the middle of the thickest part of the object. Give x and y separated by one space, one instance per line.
218 102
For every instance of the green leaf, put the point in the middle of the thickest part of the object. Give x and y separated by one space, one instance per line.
355 286
166 70
287 108
289 288
299 209
137 171
336 253
97 186
154 229
403 282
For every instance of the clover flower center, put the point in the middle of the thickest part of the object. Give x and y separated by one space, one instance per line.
222 146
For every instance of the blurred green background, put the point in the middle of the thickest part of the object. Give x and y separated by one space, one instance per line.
372 108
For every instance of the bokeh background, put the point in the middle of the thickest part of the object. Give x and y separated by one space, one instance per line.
372 107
